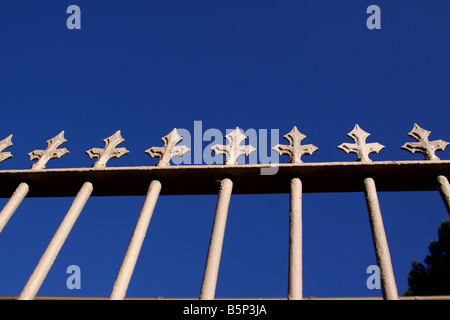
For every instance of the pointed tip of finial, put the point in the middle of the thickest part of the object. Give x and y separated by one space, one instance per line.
5 144
417 127
8 141
358 133
118 134
172 136
60 136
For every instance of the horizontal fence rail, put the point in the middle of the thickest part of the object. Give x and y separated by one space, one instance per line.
205 180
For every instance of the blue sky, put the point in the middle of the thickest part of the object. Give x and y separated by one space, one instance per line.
145 67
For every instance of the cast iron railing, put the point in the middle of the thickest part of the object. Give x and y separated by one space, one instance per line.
230 178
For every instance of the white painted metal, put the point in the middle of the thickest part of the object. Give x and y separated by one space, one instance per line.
129 262
43 156
423 145
45 263
295 282
360 147
295 150
169 150
233 149
388 286
444 190
109 151
390 175
12 204
4 144
215 246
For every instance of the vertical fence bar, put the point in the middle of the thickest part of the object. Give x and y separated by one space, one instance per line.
13 203
215 246
45 263
129 262
295 150
388 286
363 150
444 191
295 283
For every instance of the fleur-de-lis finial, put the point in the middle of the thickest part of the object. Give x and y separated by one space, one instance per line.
169 150
360 147
4 144
233 149
52 152
424 146
109 151
295 150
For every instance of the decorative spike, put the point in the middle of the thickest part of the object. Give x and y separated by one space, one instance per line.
52 152
424 146
233 149
360 147
109 151
4 144
295 150
169 150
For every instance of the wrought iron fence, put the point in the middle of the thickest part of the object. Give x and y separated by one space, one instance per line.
294 178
